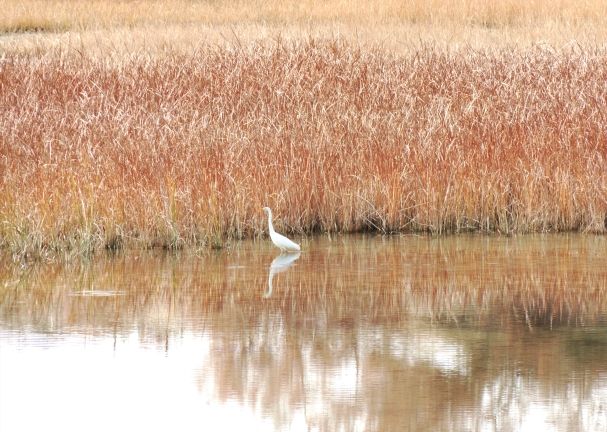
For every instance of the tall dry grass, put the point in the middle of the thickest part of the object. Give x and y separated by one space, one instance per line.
61 15
155 26
186 149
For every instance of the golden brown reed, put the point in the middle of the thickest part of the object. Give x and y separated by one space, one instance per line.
59 15
186 149
119 28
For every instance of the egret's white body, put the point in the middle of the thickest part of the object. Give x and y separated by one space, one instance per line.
279 240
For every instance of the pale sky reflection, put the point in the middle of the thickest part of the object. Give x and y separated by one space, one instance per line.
531 407
439 352
83 383
98 383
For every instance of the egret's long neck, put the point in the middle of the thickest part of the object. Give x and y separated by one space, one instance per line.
270 226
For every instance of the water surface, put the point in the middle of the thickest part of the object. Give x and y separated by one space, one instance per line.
355 333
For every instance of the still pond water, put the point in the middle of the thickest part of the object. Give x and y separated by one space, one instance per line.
354 334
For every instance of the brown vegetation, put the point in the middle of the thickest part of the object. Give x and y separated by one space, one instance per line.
59 15
186 149
115 28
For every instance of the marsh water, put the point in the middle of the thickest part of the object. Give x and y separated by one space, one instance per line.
354 334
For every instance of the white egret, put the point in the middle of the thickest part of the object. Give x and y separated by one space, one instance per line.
279 240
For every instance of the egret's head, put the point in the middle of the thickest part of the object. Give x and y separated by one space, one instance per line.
267 210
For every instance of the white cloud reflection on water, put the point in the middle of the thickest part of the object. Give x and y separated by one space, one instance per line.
439 352
84 383
76 382
525 406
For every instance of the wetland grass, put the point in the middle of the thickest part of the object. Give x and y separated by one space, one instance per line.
113 30
103 14
186 149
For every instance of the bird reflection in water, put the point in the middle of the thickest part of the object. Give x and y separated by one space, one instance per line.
280 264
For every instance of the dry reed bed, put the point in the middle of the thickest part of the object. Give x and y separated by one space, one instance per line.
61 15
187 149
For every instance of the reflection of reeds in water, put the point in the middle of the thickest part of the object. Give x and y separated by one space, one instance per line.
371 326
480 281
